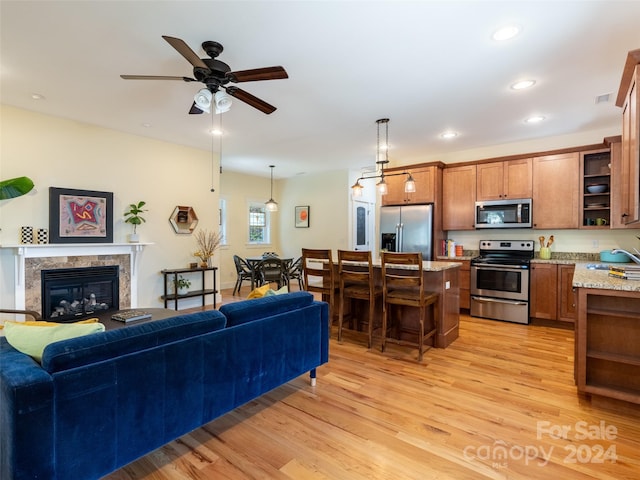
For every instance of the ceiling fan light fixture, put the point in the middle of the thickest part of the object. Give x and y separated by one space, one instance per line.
223 101
203 100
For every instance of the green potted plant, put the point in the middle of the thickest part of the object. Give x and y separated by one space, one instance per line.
182 285
132 216
15 187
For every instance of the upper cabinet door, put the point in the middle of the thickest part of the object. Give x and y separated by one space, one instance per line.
458 198
425 180
504 180
556 191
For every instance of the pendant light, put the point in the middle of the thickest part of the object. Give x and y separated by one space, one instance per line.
382 160
271 205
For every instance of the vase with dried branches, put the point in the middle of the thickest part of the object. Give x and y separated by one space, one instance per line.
208 242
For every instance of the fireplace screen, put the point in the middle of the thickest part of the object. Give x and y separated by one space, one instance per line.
72 293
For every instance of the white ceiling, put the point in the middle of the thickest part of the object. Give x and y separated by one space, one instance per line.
429 66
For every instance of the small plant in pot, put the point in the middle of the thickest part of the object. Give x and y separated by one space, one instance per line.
132 216
182 285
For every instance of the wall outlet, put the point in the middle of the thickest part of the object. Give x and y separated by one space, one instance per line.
595 244
447 285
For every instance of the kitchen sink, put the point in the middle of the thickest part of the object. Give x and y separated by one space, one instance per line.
597 266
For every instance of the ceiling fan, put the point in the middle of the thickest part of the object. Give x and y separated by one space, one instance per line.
216 75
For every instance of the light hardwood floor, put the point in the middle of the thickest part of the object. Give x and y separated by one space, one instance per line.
499 403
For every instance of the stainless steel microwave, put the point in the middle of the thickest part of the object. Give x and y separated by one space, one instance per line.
514 213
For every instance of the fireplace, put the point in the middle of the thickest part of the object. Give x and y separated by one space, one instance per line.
69 294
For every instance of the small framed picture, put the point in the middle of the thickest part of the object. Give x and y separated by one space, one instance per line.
302 216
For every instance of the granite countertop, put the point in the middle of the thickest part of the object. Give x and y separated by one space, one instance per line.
427 266
588 278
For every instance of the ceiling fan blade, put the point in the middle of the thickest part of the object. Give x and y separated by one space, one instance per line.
184 50
252 100
194 109
267 73
156 77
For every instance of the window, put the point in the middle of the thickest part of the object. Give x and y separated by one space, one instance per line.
259 225
222 220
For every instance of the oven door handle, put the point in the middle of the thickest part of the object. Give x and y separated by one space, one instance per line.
493 300
500 267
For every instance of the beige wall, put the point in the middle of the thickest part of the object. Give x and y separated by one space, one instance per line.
326 194
62 153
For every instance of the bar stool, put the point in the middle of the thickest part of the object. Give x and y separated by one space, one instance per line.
403 285
355 271
318 274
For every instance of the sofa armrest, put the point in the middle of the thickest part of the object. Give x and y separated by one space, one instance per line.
26 416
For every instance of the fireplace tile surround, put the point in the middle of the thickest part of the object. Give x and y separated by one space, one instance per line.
29 260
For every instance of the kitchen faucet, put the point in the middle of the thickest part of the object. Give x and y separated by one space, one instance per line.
630 255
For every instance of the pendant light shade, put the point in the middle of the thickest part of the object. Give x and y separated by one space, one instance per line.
271 205
382 159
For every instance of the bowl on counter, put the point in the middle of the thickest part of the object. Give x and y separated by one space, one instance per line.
597 188
607 256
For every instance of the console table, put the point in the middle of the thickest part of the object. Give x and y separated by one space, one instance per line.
173 275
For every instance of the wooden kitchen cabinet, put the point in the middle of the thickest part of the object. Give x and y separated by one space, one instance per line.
629 100
607 342
465 283
504 180
552 296
556 191
459 198
543 297
595 169
425 179
567 309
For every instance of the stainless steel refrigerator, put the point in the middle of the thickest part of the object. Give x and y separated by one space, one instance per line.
407 229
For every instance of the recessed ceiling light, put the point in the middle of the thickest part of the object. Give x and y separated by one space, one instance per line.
522 84
146 125
448 135
506 33
215 131
534 119
37 96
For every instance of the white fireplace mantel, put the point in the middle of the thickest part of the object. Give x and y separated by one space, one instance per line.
24 251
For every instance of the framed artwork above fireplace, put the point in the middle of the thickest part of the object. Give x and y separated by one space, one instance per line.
80 216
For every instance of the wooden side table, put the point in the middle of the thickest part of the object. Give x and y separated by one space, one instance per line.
172 274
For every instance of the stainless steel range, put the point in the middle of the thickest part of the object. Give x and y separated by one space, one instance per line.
500 280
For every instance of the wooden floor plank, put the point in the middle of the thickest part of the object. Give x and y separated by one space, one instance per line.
500 388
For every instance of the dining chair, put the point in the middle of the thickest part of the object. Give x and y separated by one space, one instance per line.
294 272
319 276
355 272
403 286
270 270
243 271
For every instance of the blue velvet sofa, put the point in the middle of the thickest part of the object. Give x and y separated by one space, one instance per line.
98 402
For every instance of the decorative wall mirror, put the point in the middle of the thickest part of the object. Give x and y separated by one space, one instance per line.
183 219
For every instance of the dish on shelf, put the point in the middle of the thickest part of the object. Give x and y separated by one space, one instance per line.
596 205
597 188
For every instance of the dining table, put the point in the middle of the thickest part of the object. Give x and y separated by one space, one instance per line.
254 261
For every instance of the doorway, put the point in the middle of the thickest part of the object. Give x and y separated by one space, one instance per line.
362 225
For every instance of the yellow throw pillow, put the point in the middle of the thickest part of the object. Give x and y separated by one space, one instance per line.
258 292
31 338
280 291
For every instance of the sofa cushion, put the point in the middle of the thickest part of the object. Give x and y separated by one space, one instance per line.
32 337
249 310
132 338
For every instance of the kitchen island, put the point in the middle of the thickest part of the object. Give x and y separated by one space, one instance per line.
607 335
439 277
